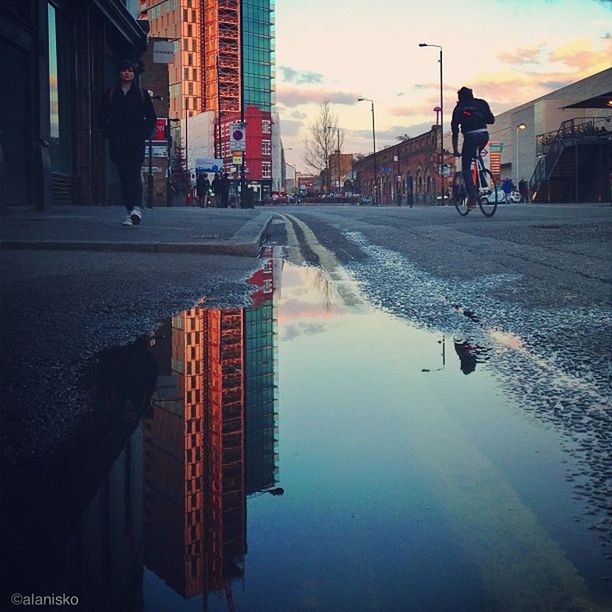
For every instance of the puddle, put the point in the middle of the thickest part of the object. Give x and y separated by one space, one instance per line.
311 451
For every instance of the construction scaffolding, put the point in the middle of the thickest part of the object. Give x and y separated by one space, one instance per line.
220 46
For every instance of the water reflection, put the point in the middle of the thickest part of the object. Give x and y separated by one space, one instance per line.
184 430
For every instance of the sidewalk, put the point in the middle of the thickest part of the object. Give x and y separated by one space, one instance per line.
98 228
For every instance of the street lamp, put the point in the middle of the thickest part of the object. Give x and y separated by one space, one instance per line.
441 116
519 127
375 201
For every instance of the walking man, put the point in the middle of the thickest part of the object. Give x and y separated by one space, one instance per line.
127 118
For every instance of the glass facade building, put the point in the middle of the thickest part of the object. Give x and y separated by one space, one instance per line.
258 31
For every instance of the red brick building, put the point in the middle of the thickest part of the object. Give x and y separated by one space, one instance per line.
405 171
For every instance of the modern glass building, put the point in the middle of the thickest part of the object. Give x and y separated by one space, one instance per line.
259 53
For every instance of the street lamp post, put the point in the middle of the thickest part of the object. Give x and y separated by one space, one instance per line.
519 127
398 181
376 200
338 159
441 116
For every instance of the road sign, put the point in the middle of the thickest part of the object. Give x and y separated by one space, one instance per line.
237 137
237 159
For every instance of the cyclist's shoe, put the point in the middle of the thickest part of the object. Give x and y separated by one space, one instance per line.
471 201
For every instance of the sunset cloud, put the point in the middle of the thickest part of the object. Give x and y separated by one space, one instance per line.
522 55
580 55
292 97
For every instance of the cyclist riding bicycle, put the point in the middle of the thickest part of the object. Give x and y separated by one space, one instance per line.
473 115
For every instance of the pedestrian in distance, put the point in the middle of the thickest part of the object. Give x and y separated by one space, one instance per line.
224 186
127 118
523 189
472 115
203 189
216 188
507 189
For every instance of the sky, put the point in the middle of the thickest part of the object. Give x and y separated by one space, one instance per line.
507 51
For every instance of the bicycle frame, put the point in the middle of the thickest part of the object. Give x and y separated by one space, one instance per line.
484 183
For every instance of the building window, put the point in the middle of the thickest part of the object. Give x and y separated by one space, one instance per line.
266 170
266 147
265 126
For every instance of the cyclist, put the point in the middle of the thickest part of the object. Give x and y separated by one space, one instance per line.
473 115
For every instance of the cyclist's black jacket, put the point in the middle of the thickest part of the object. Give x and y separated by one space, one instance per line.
471 115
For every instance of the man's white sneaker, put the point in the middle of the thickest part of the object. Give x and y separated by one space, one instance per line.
128 221
136 215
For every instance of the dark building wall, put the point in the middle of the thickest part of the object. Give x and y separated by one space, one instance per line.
61 58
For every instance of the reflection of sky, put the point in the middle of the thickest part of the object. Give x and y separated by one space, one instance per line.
401 484
53 89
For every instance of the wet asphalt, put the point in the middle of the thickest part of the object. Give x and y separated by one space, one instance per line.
543 272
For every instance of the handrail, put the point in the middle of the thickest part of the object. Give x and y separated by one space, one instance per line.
550 146
578 126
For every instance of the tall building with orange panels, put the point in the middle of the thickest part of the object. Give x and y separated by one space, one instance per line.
181 22
226 508
174 462
225 59
220 48
195 508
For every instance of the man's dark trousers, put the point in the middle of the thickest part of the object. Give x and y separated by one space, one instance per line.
472 141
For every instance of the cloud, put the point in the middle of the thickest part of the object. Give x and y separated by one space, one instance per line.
522 55
290 127
292 97
580 55
293 331
300 76
298 115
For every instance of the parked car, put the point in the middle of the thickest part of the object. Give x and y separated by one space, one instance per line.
515 196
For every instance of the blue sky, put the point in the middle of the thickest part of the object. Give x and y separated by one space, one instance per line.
508 51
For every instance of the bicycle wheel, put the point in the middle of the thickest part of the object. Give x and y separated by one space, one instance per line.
489 196
460 194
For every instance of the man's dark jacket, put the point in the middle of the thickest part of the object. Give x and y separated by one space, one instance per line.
472 115
127 120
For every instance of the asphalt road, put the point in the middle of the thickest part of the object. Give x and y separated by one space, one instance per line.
540 272
60 308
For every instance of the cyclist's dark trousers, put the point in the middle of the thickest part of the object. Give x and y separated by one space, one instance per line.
472 141
131 182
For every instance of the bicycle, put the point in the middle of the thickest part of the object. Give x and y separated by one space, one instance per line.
488 194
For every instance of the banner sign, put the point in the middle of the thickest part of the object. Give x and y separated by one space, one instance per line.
163 52
159 133
205 164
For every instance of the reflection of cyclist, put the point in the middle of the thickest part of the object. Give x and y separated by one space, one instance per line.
469 355
473 115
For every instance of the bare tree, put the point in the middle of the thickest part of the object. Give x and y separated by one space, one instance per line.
324 138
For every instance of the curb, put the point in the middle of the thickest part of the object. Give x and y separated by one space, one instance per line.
244 247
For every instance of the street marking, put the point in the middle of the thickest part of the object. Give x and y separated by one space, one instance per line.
328 262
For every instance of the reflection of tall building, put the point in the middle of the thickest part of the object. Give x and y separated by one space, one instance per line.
174 542
260 383
213 425
225 444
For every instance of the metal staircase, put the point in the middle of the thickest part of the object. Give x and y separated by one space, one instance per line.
567 158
